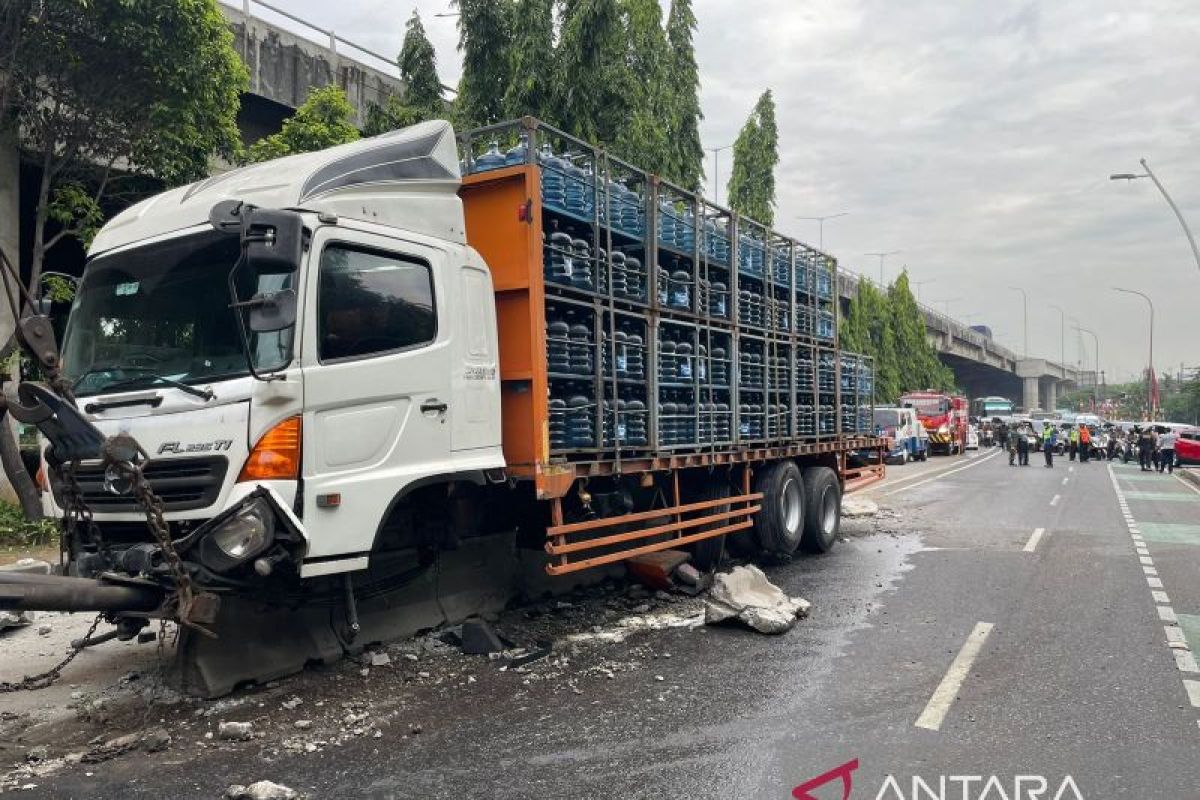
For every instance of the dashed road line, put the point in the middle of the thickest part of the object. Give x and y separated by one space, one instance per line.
973 463
1032 544
1185 659
943 696
1054 500
1064 483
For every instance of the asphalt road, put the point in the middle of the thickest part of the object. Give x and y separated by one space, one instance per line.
948 638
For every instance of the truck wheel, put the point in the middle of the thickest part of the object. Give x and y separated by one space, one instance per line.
823 517
706 553
780 524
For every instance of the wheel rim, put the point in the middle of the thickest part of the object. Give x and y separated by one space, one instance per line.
829 513
790 505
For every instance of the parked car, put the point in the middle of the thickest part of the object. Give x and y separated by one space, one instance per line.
909 441
1187 449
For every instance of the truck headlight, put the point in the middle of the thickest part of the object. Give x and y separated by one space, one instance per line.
944 429
239 537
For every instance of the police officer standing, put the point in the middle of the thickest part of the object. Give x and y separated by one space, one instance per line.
1049 438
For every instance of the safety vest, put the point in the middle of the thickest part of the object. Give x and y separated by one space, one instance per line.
1074 434
1047 434
1085 436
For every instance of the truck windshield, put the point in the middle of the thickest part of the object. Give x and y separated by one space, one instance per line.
162 312
928 406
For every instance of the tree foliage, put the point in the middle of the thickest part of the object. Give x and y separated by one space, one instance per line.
485 35
889 327
594 78
682 95
755 155
531 66
645 139
423 89
323 120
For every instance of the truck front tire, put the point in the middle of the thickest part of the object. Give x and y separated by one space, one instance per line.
823 510
779 526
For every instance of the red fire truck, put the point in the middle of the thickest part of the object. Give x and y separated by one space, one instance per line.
944 417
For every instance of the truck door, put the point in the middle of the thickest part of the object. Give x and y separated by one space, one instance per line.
377 362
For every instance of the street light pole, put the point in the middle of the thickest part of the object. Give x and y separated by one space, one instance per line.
919 284
1096 339
821 223
717 171
1025 299
1062 335
882 256
1150 374
1129 176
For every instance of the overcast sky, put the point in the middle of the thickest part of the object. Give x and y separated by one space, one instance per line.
976 137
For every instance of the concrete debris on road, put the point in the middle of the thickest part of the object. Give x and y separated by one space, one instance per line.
15 619
235 731
479 638
745 594
261 790
854 505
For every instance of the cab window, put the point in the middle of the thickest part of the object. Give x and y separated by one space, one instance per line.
370 302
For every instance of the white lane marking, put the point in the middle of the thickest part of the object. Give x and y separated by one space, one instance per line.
1065 481
1154 583
1054 500
1188 484
1175 633
1167 614
1032 544
1147 560
1193 692
1150 570
1160 597
1185 661
974 463
939 704
1070 469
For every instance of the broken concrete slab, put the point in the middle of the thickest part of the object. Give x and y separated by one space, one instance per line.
235 731
261 790
28 566
745 594
854 505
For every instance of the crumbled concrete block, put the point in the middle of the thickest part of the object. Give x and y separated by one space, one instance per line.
745 594
235 731
478 638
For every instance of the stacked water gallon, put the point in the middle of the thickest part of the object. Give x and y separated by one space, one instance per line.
567 258
752 385
567 187
624 355
571 363
866 395
826 393
677 382
674 284
715 300
806 391
779 377
715 365
625 212
849 393
822 268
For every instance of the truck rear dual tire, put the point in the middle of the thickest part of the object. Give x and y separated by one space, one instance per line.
823 510
779 525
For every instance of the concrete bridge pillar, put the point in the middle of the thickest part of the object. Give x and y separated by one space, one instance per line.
1029 397
1050 396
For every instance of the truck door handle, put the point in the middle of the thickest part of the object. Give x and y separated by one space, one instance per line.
434 405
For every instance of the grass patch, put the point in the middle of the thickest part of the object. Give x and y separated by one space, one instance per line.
17 531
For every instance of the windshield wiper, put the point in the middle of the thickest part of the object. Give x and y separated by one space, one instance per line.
153 377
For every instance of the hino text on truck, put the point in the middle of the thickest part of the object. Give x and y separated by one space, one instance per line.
284 391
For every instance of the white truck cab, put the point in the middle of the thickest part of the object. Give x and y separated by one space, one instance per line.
378 376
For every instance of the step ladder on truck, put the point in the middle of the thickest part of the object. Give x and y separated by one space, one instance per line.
298 382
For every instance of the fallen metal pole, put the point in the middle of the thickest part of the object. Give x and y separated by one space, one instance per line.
58 593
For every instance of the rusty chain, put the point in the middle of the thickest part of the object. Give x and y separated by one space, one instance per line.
44 679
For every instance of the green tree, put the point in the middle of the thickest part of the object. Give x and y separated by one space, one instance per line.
755 155
683 98
867 329
645 141
485 33
423 89
322 120
100 95
418 69
917 363
531 87
593 76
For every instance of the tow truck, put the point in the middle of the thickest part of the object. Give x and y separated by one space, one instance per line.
945 419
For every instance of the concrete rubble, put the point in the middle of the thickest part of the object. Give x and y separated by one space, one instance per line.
856 505
261 790
745 594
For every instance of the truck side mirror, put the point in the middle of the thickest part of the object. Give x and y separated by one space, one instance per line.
273 241
271 312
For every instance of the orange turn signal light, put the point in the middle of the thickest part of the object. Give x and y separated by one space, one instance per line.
276 457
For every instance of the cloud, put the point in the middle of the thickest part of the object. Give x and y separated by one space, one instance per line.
975 136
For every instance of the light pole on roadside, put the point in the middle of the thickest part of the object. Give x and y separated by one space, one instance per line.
1025 299
882 256
919 284
1150 374
1062 335
716 151
1096 340
1130 176
821 225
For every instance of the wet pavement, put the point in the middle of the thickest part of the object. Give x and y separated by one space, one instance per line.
1072 677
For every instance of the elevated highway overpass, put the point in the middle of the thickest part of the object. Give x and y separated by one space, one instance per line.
981 365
